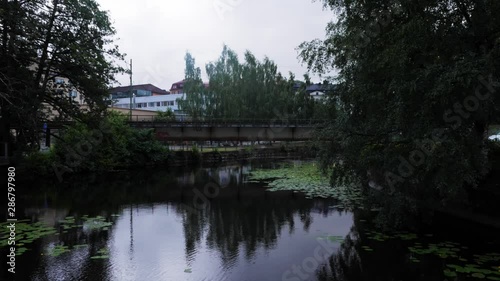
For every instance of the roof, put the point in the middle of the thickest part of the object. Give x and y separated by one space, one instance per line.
320 87
180 85
147 87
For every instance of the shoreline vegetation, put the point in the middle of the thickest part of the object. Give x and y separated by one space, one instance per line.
114 146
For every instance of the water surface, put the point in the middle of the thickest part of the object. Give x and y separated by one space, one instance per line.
209 224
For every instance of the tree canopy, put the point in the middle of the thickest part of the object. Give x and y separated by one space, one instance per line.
41 40
418 88
251 89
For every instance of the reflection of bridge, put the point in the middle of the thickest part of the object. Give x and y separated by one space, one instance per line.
224 129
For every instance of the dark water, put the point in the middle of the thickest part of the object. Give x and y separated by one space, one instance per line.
208 224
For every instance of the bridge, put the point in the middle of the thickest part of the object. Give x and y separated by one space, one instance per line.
217 129
229 130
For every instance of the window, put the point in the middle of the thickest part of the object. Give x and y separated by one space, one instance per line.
139 105
151 104
158 103
172 103
164 103
143 93
73 93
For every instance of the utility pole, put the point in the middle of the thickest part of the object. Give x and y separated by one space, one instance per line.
130 90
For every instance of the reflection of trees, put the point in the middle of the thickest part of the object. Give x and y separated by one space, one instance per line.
250 219
242 219
345 264
386 262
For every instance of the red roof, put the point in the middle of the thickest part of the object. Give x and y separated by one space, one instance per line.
180 85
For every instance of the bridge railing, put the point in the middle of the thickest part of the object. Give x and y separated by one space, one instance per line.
223 121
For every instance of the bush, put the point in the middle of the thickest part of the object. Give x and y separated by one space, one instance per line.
196 153
112 144
165 115
38 163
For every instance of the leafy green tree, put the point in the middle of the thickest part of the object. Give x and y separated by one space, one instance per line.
114 144
194 103
248 89
418 87
167 115
41 40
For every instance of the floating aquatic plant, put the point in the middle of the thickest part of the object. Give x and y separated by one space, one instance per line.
102 254
96 223
308 179
26 233
58 250
331 238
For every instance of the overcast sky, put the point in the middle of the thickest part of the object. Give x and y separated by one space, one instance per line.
157 33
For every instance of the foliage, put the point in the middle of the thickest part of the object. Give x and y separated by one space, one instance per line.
251 89
417 90
194 104
196 153
38 162
167 115
112 145
42 40
307 178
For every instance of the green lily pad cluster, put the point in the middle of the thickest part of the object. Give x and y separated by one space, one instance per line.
308 179
92 223
442 250
61 249
473 270
381 237
58 250
448 249
69 223
480 266
367 248
331 238
96 223
26 233
102 254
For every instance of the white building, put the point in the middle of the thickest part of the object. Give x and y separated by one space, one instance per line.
152 103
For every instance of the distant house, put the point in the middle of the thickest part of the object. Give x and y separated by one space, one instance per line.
144 90
319 91
297 85
178 87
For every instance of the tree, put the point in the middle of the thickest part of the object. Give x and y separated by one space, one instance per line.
167 115
418 87
194 102
249 89
41 40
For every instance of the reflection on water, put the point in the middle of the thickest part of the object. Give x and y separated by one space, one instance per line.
206 224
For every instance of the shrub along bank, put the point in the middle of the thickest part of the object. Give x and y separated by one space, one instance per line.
111 145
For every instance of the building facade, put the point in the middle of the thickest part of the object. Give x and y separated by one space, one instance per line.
144 90
151 103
